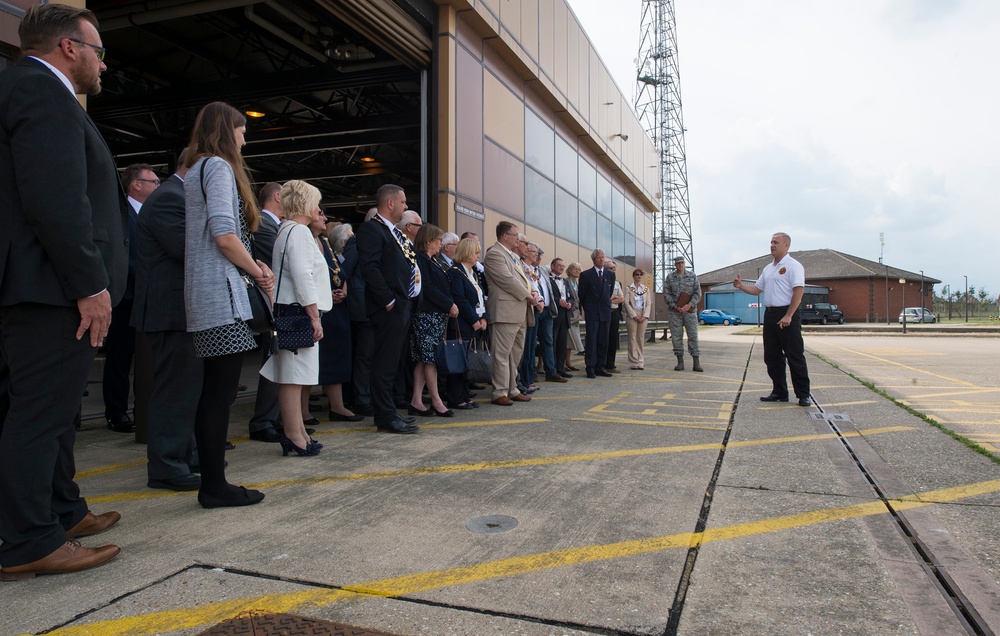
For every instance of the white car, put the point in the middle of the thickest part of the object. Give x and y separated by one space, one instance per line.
917 314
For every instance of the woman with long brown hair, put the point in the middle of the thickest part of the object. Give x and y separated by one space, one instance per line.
221 212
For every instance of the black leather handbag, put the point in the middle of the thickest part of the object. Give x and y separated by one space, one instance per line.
292 325
450 354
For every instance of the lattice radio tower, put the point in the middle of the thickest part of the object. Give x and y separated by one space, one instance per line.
658 104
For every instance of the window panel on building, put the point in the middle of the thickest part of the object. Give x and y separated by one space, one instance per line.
617 207
588 184
539 144
567 221
539 201
605 235
566 165
631 250
618 243
630 212
588 227
603 197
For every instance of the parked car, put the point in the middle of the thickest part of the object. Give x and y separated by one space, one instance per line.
821 313
716 317
917 314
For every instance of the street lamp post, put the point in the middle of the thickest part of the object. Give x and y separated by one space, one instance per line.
966 299
902 283
921 295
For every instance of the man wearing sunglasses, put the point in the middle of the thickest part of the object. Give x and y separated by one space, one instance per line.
63 265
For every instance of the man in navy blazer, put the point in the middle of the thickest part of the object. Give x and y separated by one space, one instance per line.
595 298
63 265
158 311
388 265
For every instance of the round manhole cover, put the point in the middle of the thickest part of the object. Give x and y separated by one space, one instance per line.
491 523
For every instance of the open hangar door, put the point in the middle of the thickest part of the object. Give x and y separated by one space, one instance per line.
335 90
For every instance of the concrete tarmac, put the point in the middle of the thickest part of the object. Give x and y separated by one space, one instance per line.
653 502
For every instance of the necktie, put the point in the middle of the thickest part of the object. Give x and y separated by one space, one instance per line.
412 291
600 275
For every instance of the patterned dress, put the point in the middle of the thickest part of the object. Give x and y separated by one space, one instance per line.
235 337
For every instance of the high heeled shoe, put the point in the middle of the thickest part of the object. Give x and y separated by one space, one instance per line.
412 410
314 444
288 446
444 413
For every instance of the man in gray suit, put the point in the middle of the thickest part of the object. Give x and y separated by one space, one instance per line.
266 420
158 311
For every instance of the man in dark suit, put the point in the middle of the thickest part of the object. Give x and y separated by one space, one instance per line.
560 324
158 311
362 336
389 267
63 265
139 181
266 418
595 298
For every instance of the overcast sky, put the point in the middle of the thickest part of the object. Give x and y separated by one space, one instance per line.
833 122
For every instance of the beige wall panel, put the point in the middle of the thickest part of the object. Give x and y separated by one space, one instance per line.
510 16
466 223
469 38
503 180
503 115
533 100
493 6
572 88
530 28
546 52
469 125
562 14
583 60
503 72
565 250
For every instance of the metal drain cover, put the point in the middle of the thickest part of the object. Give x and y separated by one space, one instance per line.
834 417
491 523
264 624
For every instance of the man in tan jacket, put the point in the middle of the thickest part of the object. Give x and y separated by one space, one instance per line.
510 307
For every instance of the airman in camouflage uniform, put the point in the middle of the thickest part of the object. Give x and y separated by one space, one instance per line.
684 317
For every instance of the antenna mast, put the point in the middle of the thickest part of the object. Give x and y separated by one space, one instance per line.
658 104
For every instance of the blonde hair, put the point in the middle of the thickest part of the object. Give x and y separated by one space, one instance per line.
466 251
299 198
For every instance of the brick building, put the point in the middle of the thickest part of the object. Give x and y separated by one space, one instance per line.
866 291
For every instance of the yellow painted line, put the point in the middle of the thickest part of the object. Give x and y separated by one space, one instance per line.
904 366
497 465
187 618
110 468
978 391
622 420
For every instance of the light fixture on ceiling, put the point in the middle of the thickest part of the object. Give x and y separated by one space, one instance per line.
367 159
256 114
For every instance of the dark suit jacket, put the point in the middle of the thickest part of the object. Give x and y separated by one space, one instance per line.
562 314
435 288
57 244
355 282
263 239
159 268
386 271
595 298
466 299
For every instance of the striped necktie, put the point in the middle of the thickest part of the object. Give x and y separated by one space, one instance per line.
412 291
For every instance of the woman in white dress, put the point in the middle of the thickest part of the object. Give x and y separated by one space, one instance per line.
303 279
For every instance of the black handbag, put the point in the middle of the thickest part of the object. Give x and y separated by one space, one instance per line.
480 361
292 325
450 354
261 318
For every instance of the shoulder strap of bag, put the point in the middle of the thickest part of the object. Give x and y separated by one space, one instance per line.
281 268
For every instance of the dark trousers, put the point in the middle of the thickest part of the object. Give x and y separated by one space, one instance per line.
361 365
48 371
266 413
219 385
526 369
613 326
543 322
119 349
596 343
560 334
781 346
391 329
173 404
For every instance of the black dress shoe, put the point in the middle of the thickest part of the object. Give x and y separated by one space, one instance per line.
555 378
312 421
591 374
804 402
230 445
182 483
337 417
121 424
563 374
266 435
237 496
774 397
406 419
603 374
398 426
476 387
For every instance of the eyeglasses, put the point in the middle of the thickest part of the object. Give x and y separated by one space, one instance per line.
415 224
101 51
451 244
156 181
511 233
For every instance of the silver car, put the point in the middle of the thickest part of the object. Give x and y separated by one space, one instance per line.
917 314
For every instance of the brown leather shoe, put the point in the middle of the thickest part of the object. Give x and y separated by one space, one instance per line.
611 370
503 400
69 557
93 524
521 397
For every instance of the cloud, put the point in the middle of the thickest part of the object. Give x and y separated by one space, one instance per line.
917 18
